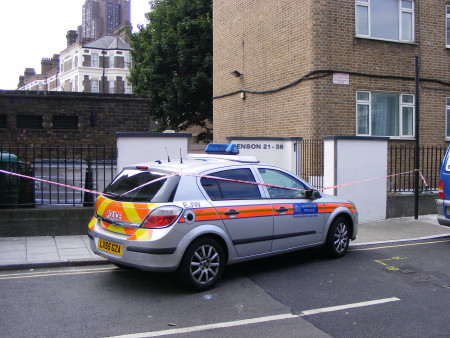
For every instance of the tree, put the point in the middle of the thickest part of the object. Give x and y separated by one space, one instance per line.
172 63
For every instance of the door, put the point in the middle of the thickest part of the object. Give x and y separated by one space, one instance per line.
297 220
247 217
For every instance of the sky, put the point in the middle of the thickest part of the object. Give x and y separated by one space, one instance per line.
33 29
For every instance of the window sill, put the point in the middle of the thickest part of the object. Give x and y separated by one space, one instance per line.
396 138
388 40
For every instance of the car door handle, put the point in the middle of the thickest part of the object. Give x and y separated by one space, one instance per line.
282 210
231 213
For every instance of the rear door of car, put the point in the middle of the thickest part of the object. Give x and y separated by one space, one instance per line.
247 216
298 221
445 175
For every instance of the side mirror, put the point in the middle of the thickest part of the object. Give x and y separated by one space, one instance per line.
312 194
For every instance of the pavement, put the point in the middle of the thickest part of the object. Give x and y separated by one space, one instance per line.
56 251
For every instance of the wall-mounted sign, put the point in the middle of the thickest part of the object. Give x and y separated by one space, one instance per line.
279 151
341 78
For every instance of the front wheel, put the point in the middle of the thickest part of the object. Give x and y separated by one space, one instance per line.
202 264
338 238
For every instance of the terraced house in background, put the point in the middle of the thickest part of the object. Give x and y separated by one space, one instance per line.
312 68
97 58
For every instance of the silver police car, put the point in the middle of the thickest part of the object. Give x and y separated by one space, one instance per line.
197 214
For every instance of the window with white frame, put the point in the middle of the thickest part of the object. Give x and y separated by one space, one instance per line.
384 114
94 60
447 25
111 60
94 86
127 61
385 19
447 118
111 87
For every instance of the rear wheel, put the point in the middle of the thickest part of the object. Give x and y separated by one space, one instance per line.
338 238
202 264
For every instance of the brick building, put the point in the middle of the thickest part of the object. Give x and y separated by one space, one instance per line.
61 118
311 68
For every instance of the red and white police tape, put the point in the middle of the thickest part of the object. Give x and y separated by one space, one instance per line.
210 177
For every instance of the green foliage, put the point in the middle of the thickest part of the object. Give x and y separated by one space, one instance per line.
172 62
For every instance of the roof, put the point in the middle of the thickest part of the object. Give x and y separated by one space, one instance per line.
196 164
108 42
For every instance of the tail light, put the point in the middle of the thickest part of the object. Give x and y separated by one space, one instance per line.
162 217
441 190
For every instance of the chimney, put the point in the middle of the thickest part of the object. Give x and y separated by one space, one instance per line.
55 61
124 31
21 82
71 37
29 72
46 65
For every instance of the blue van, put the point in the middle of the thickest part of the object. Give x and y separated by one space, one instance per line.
443 201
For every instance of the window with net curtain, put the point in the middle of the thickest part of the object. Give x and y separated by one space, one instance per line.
384 114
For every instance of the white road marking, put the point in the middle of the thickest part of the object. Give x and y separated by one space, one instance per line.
255 320
348 306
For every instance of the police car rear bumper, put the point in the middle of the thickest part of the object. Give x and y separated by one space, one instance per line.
443 210
138 254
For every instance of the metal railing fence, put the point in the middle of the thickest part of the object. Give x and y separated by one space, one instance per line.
312 162
401 160
90 167
93 167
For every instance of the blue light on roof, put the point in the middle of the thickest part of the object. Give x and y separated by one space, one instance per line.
223 149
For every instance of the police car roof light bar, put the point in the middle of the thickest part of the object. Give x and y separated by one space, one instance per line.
222 149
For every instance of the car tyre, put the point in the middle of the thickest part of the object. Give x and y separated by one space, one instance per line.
338 238
202 264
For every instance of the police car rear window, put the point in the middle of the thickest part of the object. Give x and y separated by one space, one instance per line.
226 190
121 188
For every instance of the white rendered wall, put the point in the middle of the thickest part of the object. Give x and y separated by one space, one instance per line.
281 152
135 148
350 160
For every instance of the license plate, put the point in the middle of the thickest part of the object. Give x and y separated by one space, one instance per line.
113 248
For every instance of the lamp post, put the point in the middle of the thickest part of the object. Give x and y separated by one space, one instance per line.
417 144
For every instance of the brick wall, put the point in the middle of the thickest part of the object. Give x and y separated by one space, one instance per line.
99 117
275 42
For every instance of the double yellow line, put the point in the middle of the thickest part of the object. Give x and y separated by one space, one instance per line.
399 245
58 273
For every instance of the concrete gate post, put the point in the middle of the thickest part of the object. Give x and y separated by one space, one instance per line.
350 159
134 148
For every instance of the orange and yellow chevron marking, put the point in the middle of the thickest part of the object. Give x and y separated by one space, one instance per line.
126 212
141 235
118 229
91 224
247 211
129 212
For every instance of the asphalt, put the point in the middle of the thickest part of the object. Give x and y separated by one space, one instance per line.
58 251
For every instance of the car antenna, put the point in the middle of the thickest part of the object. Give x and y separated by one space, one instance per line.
181 157
168 158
